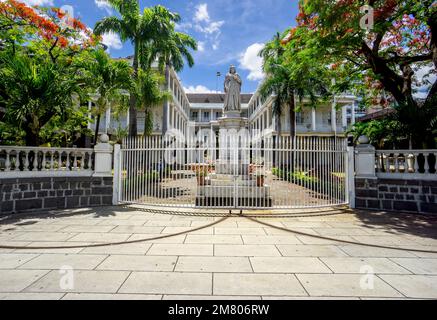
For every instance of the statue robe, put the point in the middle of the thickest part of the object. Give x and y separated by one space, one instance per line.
232 90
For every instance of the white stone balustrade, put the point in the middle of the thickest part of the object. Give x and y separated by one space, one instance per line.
406 164
16 162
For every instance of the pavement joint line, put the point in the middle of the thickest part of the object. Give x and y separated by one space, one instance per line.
379 277
338 240
119 243
37 279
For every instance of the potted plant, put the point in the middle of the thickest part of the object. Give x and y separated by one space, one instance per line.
260 178
201 174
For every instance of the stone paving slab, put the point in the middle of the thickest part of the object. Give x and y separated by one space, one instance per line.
249 250
100 237
173 230
181 250
235 259
139 263
84 281
257 284
51 261
361 251
213 264
31 296
308 250
107 296
418 266
239 231
140 237
413 286
137 230
44 236
125 249
345 285
168 282
284 239
288 265
213 239
18 280
357 265
14 260
196 297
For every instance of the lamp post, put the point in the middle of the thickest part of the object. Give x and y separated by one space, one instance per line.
219 74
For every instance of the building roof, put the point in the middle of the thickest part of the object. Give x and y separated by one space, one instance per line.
216 98
376 115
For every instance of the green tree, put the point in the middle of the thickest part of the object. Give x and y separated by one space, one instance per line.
108 79
278 82
154 28
35 91
150 95
383 58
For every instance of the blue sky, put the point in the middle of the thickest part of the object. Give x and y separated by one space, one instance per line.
228 32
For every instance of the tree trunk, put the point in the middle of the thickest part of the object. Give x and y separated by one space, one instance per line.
292 117
292 111
133 129
96 133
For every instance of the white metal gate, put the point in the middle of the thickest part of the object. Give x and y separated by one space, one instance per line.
225 172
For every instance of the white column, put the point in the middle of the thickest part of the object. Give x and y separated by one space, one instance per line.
90 106
108 119
117 170
313 119
353 112
365 159
127 118
334 116
103 157
199 116
344 116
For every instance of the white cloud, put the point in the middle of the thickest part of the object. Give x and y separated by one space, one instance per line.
199 89
202 23
104 4
201 46
249 60
112 40
202 13
38 2
424 78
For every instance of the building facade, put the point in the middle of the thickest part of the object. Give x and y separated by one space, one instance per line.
186 113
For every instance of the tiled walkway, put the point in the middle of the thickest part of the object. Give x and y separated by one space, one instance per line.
235 259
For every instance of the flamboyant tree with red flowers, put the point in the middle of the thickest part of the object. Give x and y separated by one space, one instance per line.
41 84
53 28
374 46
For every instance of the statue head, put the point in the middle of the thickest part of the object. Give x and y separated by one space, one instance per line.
232 69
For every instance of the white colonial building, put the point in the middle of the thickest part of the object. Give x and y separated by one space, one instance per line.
201 111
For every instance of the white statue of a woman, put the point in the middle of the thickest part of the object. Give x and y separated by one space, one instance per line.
233 89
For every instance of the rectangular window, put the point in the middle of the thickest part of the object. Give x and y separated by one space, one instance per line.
206 116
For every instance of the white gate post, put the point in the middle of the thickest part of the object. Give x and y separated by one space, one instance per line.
117 175
350 176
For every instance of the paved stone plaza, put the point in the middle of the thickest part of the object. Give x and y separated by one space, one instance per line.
235 259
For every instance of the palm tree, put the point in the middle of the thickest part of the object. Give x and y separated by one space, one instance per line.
154 28
278 82
35 91
109 79
149 95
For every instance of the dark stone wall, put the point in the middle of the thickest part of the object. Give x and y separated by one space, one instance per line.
396 195
34 194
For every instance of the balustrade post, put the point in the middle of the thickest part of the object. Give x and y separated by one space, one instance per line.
365 159
103 157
